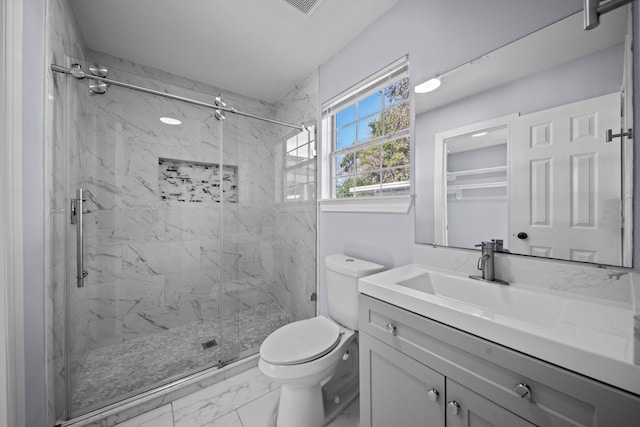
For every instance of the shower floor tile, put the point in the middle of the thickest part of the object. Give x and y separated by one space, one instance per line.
122 370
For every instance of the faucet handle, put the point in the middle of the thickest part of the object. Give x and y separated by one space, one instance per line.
486 244
494 244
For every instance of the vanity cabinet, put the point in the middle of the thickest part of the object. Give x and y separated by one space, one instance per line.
402 391
415 371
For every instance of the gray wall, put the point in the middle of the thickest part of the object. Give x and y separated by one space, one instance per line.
33 208
438 35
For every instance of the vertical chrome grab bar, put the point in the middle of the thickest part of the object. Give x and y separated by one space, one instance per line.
77 212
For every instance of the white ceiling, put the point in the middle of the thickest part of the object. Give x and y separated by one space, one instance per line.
258 48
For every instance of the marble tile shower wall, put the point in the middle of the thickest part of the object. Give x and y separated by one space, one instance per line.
139 247
155 264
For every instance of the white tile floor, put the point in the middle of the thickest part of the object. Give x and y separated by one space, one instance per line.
247 400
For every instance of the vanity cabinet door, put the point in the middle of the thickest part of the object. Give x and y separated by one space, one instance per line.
396 390
468 409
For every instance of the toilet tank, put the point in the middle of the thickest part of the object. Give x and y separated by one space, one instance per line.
343 273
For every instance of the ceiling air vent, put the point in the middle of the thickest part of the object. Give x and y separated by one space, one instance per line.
304 6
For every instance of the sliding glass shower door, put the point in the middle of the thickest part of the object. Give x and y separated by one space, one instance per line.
149 189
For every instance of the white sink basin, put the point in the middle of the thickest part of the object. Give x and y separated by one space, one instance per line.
483 299
579 333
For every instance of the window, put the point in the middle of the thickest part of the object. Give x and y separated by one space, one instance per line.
368 136
300 166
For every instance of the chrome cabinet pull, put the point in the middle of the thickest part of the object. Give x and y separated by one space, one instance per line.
523 390
392 329
453 407
433 395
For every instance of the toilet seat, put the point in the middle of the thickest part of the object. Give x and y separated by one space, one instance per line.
300 341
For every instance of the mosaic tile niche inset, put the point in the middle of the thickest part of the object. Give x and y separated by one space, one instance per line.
187 181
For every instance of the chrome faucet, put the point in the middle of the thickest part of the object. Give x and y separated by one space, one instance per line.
486 262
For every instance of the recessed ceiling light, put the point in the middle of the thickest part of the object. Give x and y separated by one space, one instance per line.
475 135
428 86
170 121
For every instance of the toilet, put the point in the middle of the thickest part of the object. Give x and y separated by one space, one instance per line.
303 356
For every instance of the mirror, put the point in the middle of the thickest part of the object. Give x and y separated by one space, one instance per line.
513 146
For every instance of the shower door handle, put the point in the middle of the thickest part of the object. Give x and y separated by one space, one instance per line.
77 212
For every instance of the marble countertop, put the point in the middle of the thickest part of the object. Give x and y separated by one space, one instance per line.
592 337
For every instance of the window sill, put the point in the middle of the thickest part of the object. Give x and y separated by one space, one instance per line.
383 204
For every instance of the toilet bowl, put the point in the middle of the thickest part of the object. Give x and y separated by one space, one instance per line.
301 376
303 356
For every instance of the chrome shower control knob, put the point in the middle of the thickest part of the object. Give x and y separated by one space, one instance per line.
433 395
523 390
453 407
392 329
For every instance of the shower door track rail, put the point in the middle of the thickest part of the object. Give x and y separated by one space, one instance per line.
64 70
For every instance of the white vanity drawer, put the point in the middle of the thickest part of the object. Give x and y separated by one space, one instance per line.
557 397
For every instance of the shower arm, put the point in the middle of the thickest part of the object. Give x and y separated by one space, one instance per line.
79 74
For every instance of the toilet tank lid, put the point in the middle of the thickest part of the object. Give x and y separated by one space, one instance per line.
350 266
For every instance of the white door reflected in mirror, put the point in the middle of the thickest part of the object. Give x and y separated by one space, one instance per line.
565 191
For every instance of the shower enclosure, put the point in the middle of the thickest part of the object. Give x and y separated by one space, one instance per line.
169 245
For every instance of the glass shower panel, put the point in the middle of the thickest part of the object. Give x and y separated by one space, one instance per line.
232 194
192 253
270 277
153 307
71 310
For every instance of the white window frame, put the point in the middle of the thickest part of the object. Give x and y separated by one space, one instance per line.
389 202
302 162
